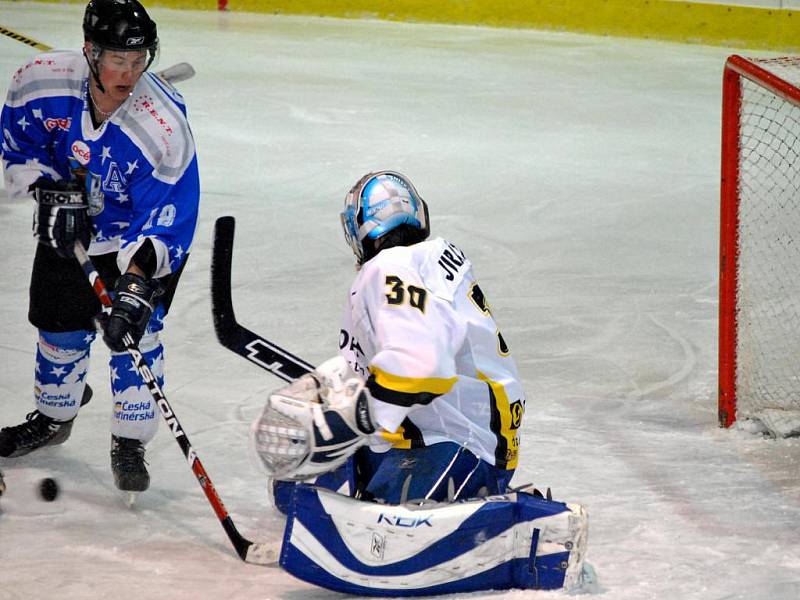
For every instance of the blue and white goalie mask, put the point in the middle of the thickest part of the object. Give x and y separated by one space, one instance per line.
377 204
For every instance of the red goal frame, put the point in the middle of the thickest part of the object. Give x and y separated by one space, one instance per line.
736 67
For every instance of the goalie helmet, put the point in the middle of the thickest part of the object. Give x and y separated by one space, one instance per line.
121 25
378 204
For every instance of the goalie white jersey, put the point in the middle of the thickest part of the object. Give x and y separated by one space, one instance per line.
419 327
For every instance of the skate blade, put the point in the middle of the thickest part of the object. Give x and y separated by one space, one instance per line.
130 498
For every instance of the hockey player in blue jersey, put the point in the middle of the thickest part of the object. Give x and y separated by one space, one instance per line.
104 150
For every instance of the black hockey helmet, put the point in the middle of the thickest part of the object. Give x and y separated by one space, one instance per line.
120 25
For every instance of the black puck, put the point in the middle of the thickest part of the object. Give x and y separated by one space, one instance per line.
48 489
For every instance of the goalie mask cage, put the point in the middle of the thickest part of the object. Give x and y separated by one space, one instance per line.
759 318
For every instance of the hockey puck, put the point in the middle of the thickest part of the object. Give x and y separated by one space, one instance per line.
48 489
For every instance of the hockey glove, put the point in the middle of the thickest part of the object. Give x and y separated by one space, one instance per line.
133 304
61 216
313 425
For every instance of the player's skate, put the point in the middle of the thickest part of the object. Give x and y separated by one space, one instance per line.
37 431
128 466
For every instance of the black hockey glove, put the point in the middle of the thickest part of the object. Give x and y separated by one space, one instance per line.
61 216
133 304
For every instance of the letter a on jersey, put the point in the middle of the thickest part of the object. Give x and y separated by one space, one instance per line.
114 181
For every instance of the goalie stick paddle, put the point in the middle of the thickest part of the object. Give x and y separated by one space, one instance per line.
251 552
230 333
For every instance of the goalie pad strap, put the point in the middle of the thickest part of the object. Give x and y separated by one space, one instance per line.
499 542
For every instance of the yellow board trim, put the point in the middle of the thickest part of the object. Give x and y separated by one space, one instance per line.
410 385
689 22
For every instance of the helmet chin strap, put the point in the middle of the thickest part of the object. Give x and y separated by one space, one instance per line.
95 71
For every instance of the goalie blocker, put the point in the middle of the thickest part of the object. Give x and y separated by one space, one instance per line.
500 542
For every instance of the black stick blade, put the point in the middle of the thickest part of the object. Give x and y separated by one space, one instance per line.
229 332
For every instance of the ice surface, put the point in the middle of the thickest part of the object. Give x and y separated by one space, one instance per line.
579 173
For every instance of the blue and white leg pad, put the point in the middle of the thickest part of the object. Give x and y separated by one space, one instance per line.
500 542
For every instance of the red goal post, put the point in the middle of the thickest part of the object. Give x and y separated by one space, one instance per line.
759 285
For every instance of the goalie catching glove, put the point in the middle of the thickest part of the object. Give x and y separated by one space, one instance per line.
61 216
313 425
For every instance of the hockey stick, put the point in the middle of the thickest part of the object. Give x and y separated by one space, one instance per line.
177 73
251 552
25 39
174 74
230 334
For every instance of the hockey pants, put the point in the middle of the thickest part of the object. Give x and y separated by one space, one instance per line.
440 472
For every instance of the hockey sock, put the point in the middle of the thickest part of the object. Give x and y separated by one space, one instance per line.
135 414
62 361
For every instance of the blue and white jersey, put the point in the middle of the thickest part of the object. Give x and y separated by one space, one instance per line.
139 166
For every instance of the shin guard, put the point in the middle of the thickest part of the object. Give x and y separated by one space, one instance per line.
135 414
62 361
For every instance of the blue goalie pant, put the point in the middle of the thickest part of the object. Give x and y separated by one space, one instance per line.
440 472
514 540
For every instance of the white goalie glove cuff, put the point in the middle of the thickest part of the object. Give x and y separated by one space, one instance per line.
313 425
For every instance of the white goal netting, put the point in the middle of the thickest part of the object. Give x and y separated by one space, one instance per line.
768 275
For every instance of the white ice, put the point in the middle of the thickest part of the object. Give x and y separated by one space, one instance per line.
580 174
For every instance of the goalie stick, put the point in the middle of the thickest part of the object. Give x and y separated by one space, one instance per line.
251 552
230 333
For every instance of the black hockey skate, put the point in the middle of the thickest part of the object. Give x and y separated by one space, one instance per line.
37 431
128 465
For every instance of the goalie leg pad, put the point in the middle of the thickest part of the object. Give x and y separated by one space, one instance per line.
341 480
499 542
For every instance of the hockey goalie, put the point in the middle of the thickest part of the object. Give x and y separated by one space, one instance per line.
393 460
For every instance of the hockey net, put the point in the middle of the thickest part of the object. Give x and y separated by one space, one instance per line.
759 325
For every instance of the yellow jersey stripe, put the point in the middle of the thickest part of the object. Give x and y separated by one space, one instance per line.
397 439
411 385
